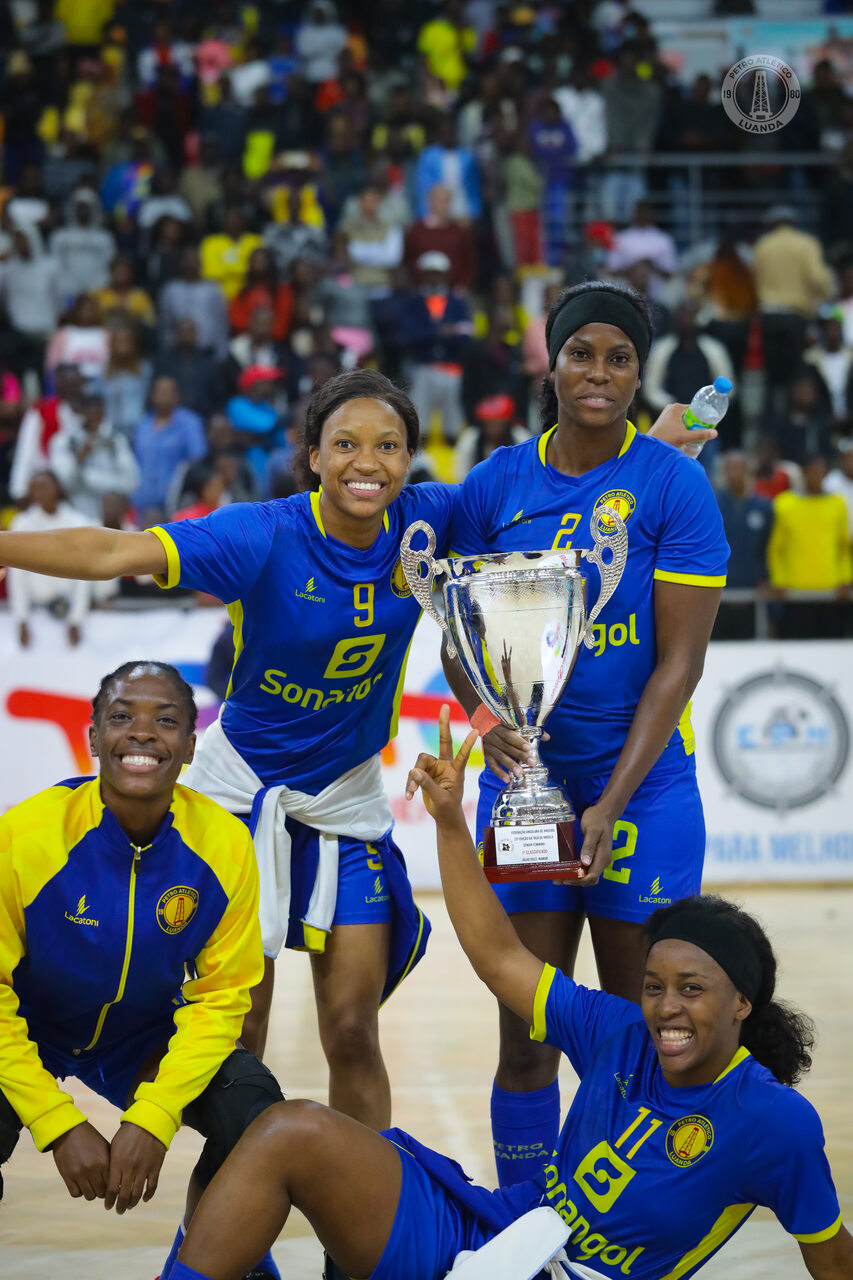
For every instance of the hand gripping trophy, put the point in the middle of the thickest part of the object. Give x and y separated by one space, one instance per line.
517 619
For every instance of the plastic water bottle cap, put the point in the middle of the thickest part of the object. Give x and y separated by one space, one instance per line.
723 385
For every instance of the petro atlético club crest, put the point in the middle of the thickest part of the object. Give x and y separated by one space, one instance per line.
621 500
399 585
176 908
688 1140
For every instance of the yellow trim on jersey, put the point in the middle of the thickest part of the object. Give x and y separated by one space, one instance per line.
630 433
235 613
318 519
727 1223
398 694
543 443
173 559
539 1029
818 1237
412 955
128 946
740 1056
315 510
690 579
685 728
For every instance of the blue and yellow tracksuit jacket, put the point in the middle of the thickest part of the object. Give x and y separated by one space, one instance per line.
97 937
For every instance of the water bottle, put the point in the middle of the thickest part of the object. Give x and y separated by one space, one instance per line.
706 409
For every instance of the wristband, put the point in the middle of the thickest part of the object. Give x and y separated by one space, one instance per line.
483 720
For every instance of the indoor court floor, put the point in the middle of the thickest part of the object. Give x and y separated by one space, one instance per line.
439 1034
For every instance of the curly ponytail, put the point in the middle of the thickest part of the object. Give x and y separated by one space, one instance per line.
778 1035
548 405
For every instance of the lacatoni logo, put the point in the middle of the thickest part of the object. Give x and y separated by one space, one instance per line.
781 739
81 915
761 94
309 593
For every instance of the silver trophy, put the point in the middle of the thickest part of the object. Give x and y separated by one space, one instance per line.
517 619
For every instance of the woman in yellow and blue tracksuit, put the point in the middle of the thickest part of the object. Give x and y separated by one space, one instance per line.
129 943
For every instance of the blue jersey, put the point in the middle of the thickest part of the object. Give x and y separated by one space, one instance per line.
321 629
654 1179
516 501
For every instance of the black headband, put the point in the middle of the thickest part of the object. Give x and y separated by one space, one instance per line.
720 938
598 306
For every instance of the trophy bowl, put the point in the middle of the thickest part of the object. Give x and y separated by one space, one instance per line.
516 621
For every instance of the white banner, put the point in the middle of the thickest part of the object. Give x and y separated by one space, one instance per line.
772 728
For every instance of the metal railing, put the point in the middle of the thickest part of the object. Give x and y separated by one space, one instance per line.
765 605
692 202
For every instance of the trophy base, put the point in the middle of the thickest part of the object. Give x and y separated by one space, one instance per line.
530 851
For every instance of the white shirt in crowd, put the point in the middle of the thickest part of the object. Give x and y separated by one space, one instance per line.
635 244
29 456
584 111
838 482
835 368
28 589
109 467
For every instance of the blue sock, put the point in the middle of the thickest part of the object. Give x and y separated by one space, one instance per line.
175 1270
266 1264
168 1269
524 1130
180 1271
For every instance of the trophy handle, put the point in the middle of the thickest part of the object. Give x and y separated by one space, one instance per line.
421 587
611 570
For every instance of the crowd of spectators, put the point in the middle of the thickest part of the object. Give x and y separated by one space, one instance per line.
208 211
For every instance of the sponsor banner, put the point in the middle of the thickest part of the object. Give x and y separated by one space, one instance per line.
773 728
772 721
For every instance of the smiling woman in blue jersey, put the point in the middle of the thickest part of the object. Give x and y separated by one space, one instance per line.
620 738
323 619
684 1120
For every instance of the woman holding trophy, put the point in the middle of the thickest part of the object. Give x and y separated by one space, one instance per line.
619 739
650 1178
323 619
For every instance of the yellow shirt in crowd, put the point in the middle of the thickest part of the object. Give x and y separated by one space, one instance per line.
444 46
84 20
226 260
809 547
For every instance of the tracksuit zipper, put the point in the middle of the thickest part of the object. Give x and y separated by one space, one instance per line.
128 946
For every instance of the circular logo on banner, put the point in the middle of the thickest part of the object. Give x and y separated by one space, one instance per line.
688 1140
761 94
176 908
781 739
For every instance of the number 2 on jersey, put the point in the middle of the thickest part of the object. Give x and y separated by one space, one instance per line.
568 524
